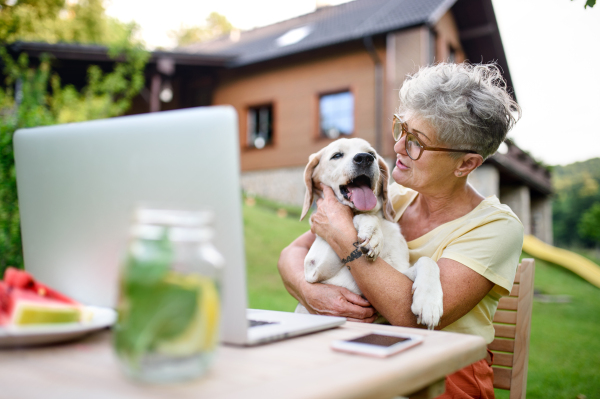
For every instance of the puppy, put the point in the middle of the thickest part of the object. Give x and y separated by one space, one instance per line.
359 179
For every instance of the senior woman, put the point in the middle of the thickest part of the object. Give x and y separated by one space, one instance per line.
451 118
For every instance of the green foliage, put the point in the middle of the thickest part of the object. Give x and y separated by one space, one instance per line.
589 3
31 95
577 189
216 25
53 21
589 225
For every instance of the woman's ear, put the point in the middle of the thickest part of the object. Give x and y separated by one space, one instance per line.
468 163
384 178
313 161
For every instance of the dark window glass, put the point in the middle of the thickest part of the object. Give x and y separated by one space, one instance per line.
260 126
336 114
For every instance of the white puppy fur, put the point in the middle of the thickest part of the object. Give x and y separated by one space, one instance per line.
343 165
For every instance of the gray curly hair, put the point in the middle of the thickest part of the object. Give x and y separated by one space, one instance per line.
467 104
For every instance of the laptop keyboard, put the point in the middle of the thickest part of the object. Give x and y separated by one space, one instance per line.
256 323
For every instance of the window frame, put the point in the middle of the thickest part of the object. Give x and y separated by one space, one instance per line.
271 143
346 89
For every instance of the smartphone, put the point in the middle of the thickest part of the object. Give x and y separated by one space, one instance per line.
378 344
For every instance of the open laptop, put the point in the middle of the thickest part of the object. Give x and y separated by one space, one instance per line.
78 185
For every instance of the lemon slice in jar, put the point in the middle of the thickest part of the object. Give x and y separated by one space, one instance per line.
201 334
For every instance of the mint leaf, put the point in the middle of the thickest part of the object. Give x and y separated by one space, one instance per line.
151 314
148 260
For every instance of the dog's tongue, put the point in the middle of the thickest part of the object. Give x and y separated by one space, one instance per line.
362 197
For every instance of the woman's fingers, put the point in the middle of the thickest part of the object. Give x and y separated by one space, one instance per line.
332 300
355 299
327 192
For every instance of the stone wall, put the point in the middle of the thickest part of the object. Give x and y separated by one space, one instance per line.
486 180
519 200
284 185
541 219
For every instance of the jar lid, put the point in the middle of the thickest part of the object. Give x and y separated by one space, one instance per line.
171 217
176 234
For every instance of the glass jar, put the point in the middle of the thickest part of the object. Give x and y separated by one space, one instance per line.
169 296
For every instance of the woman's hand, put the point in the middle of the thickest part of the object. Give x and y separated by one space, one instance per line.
322 299
331 300
333 220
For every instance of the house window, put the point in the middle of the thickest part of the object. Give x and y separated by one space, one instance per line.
260 126
336 114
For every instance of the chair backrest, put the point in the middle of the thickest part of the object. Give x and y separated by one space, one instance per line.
512 323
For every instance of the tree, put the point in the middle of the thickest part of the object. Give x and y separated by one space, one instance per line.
216 25
577 188
31 95
53 21
589 225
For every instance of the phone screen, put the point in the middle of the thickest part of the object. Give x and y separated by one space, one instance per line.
379 340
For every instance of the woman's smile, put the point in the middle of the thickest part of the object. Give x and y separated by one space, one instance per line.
400 165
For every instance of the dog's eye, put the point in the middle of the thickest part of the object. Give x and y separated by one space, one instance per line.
372 153
337 155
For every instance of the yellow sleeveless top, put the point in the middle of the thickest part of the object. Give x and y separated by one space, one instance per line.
487 240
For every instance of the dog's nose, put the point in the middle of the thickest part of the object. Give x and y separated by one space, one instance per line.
364 159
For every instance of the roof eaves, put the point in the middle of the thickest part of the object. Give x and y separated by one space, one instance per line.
72 51
522 172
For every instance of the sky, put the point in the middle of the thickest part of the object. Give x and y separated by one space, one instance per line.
552 47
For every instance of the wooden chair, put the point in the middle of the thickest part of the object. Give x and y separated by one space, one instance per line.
513 325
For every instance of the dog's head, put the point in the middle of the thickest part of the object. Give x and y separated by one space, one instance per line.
357 175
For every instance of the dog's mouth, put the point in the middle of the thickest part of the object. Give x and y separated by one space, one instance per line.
359 192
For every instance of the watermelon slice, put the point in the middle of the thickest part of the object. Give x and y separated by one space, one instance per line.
25 301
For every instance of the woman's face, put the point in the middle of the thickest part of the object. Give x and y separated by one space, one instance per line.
430 172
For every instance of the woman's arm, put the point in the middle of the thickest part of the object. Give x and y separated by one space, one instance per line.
388 290
317 298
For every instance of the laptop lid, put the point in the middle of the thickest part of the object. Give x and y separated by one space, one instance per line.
79 183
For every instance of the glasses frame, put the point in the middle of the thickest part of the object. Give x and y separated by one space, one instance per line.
403 131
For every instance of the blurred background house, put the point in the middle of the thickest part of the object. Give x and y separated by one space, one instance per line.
301 83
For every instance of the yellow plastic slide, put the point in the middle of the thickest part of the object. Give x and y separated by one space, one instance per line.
576 263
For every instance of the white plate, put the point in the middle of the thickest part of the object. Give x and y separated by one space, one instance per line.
13 336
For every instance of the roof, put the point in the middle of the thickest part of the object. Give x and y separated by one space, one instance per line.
325 27
95 53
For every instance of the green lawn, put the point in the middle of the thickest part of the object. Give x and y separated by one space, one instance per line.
265 235
564 359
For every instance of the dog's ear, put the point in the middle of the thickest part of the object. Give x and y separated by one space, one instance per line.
388 210
313 161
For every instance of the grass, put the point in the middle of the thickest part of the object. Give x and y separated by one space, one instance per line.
564 359
266 234
564 354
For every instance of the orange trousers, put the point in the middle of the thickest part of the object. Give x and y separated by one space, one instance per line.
473 382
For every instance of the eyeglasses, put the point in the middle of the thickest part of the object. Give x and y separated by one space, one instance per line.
414 146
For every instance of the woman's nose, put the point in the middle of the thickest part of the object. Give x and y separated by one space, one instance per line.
400 146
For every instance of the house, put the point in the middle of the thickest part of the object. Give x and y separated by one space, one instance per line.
301 83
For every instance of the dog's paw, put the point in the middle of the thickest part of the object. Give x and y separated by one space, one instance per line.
370 235
427 303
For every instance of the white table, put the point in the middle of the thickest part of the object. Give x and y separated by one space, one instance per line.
302 367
